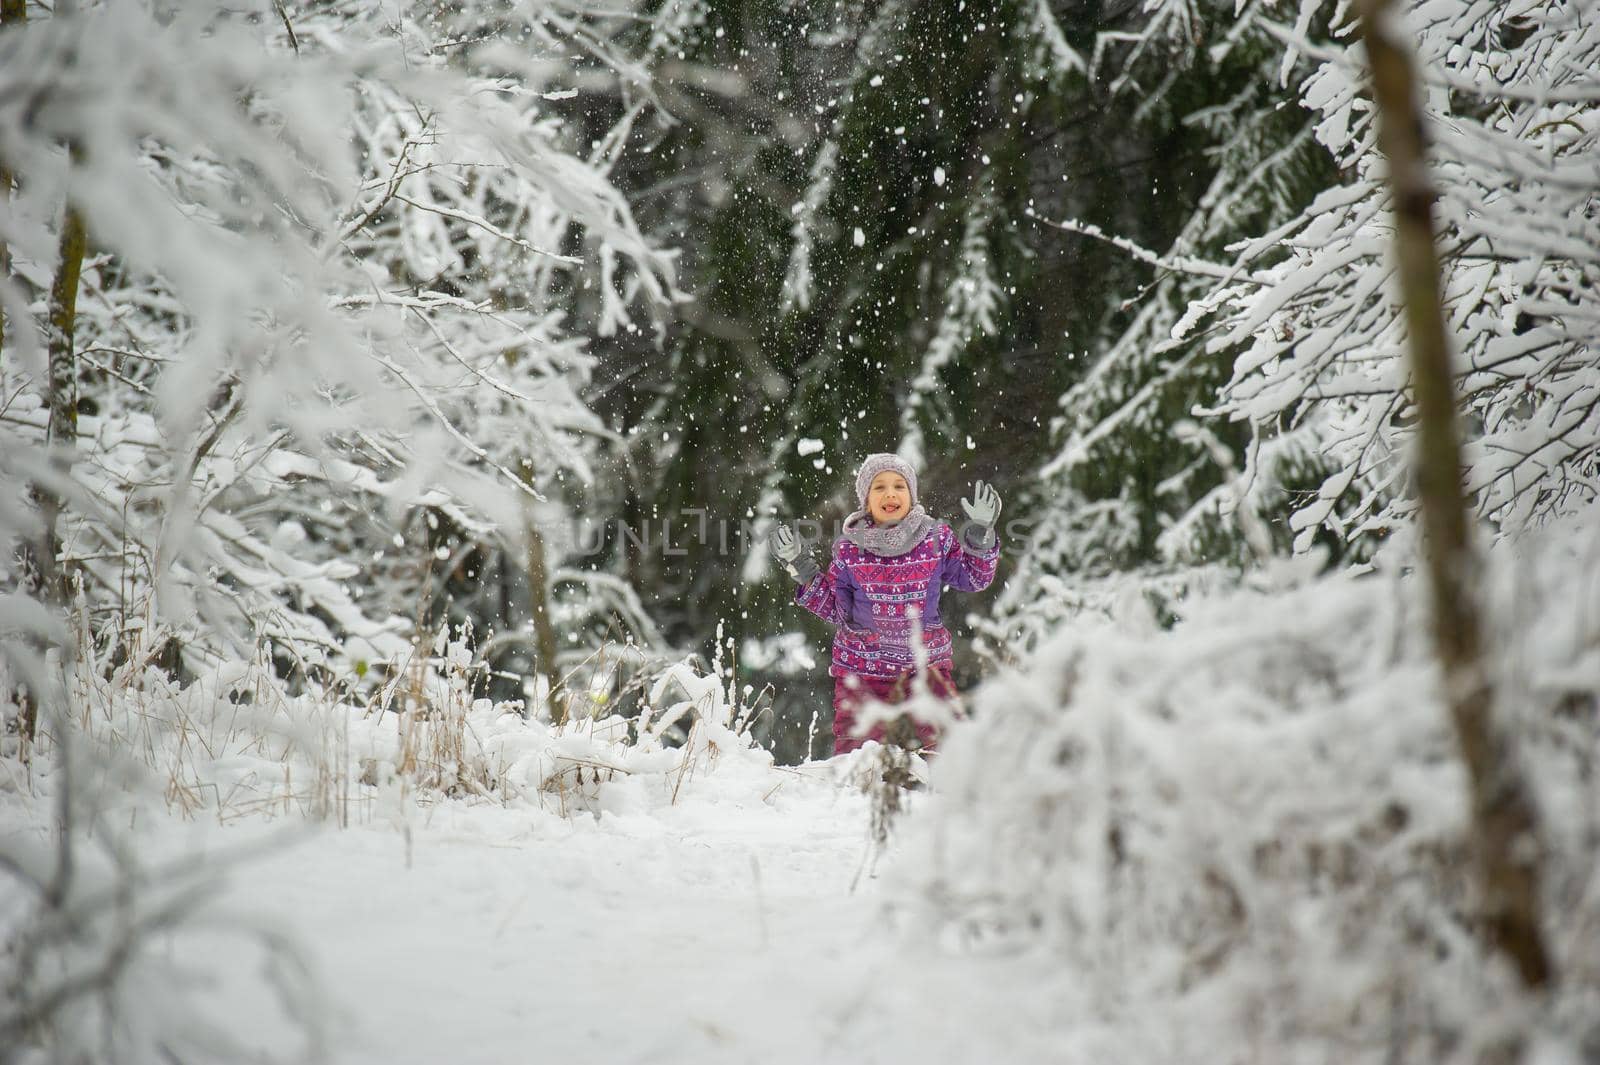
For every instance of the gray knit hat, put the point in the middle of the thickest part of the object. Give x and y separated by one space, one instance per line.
876 464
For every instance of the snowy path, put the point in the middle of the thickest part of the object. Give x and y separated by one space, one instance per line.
708 932
654 942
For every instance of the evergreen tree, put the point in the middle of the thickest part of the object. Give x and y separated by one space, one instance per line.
1137 484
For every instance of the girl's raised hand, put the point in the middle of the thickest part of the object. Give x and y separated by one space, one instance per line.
782 543
790 553
984 506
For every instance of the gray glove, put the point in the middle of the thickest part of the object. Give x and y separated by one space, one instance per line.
790 553
983 510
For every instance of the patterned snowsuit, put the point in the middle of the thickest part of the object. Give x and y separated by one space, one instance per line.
875 602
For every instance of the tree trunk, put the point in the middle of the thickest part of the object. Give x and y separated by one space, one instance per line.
62 432
47 579
1505 822
544 632
12 13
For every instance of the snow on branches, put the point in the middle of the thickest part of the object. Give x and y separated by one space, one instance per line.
323 296
1514 118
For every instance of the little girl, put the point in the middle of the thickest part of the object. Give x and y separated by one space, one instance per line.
883 588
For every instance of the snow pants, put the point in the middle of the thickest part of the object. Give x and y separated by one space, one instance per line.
850 692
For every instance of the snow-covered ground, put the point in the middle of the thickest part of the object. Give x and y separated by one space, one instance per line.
686 934
731 926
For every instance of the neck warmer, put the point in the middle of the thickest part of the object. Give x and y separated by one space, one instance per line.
888 540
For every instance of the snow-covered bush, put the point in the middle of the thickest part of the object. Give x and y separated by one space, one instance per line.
102 930
231 742
1250 834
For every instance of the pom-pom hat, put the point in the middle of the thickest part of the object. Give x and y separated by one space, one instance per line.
876 464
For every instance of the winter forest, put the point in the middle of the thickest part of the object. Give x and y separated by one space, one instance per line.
434 476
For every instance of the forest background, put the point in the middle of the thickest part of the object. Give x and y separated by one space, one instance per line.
821 230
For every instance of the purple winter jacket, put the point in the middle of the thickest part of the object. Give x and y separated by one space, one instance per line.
874 601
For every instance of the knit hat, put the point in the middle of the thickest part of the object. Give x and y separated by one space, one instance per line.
876 464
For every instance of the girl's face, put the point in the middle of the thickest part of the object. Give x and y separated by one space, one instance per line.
888 498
